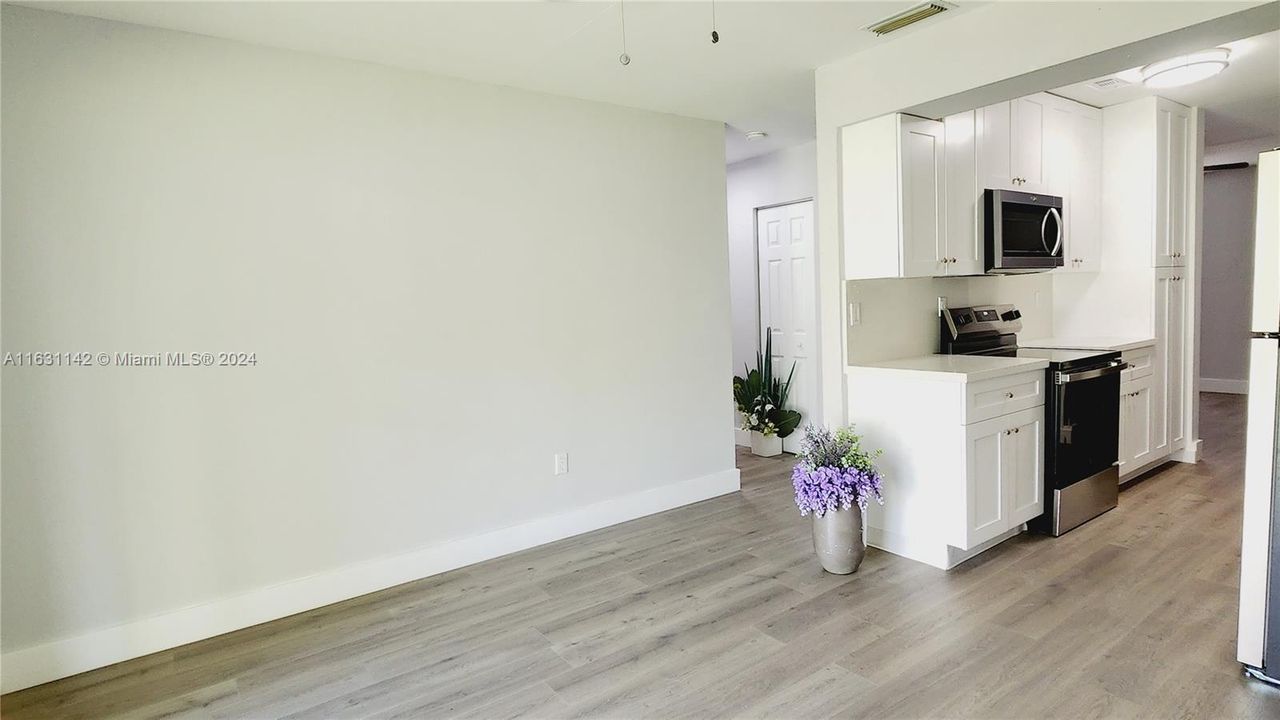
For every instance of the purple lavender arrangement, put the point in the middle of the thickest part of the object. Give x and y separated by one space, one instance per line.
834 472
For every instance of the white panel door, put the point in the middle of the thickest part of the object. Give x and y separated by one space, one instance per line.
1174 153
1135 426
986 505
788 302
963 197
1168 401
1026 470
1175 366
994 141
1059 152
921 144
1084 199
1160 398
1027 150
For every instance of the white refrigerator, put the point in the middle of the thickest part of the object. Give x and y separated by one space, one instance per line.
1259 632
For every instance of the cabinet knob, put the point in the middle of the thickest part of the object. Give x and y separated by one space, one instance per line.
1017 429
1009 395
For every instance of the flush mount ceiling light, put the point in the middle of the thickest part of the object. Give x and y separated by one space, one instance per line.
757 135
1186 69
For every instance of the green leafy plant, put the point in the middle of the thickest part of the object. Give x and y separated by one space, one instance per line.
762 397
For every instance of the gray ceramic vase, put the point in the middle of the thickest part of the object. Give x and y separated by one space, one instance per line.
837 540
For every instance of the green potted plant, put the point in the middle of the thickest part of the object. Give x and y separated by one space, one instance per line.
762 402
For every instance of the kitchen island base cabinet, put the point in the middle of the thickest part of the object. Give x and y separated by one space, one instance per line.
956 482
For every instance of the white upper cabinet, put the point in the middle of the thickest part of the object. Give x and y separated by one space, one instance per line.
1073 169
1084 194
1011 144
912 189
1029 116
963 197
1174 153
994 140
892 198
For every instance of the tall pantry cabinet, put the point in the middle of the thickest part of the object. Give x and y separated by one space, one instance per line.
1152 158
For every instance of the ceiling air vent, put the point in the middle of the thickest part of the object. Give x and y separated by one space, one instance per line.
907 17
1108 83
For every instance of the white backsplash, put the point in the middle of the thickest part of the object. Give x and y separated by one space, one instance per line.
899 318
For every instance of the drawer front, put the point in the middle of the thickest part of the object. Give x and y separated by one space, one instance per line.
1140 363
1000 396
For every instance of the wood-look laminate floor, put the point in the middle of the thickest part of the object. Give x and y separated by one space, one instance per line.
719 610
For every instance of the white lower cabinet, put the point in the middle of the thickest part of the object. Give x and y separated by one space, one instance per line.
1136 431
963 460
1140 405
1004 475
1170 330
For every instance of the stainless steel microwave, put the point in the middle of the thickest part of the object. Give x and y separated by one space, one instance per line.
1023 231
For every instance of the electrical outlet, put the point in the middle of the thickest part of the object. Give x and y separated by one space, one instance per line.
562 463
942 305
855 314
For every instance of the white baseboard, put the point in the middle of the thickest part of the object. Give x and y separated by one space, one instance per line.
1188 454
60 658
1224 385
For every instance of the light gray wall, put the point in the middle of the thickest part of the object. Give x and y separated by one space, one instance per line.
445 283
783 176
1229 201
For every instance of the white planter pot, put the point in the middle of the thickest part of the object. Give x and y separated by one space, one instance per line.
765 445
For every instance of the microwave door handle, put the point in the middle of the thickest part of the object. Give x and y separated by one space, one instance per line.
1043 222
1057 246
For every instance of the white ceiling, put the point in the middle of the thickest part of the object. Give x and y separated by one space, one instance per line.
1241 103
759 76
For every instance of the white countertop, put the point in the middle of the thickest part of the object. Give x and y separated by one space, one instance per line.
1096 342
956 368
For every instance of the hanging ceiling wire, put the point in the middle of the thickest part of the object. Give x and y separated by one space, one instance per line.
624 58
715 36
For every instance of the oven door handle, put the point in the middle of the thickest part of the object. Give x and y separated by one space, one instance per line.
1115 367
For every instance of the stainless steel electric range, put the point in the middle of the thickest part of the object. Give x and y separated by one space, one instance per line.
1082 413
